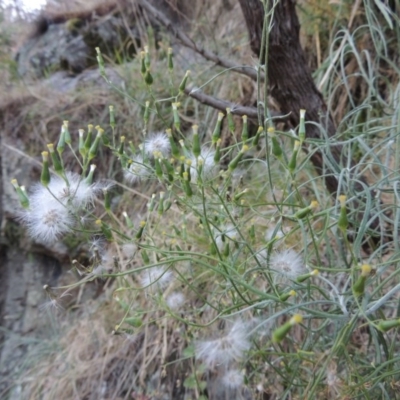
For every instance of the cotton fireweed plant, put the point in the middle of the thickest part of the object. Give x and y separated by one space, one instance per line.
240 246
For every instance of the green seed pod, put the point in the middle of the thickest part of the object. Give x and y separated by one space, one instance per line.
359 285
157 165
148 78
234 163
196 141
89 178
61 141
182 86
88 141
217 130
139 233
177 121
56 161
285 296
217 155
174 148
276 147
293 160
107 199
67 134
280 333
256 138
386 326
45 175
231 123
304 277
22 196
96 143
307 210
186 185
105 229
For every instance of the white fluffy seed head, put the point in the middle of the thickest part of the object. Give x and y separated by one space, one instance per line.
206 160
157 143
175 300
137 170
227 233
287 263
230 346
156 278
232 379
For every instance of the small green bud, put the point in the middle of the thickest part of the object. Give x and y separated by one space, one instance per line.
56 161
174 148
304 277
307 210
89 178
217 130
148 78
256 138
67 133
359 285
387 325
234 163
139 233
196 141
143 68
280 333
61 141
177 121
96 143
293 160
88 141
285 296
121 145
182 86
231 123
22 196
217 155
186 184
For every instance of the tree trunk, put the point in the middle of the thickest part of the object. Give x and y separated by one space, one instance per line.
289 77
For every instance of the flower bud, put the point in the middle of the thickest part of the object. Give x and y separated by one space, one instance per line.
245 130
217 130
231 123
280 333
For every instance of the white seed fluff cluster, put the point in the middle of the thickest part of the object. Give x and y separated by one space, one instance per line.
287 263
230 346
206 159
232 379
157 143
156 278
175 300
227 233
137 170
53 210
